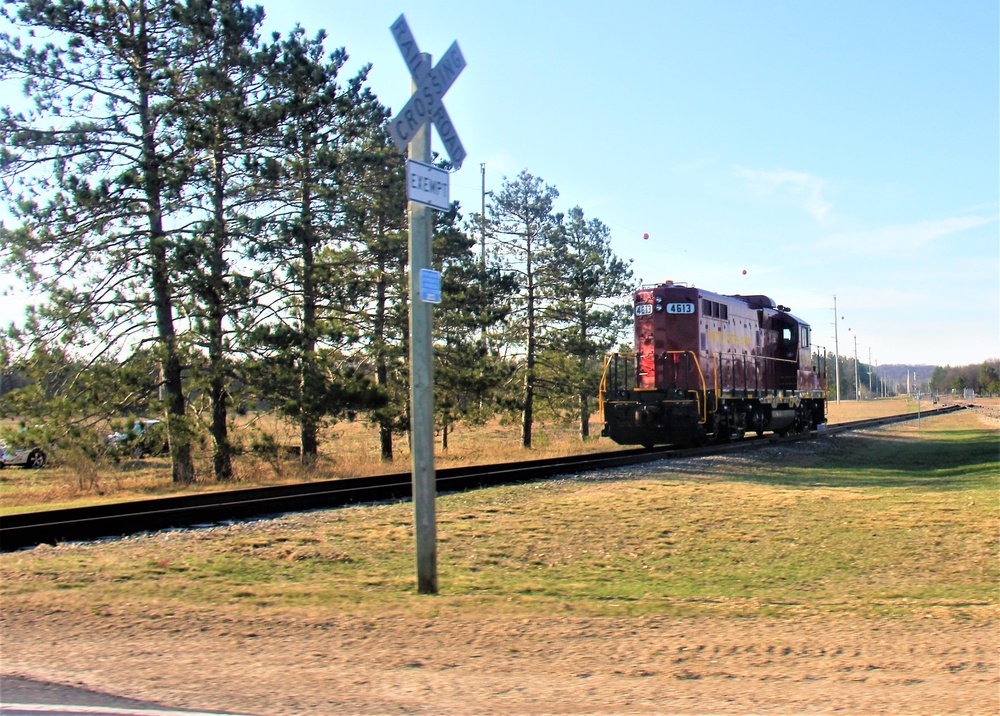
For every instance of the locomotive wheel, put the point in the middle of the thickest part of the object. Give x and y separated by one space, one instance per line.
803 421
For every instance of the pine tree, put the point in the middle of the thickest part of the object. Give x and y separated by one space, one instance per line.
96 170
586 306
220 132
522 224
377 258
303 179
475 298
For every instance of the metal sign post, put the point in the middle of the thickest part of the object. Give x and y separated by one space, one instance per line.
411 128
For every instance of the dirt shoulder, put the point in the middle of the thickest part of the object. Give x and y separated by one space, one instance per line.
381 664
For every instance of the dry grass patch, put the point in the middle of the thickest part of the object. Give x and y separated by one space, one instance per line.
348 449
848 410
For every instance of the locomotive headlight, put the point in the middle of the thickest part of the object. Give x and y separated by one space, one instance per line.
659 299
659 307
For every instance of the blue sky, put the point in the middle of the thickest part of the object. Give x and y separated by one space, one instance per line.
826 148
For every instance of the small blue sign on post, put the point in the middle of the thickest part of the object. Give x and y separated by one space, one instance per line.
430 286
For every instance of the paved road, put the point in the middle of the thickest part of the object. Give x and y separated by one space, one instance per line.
25 697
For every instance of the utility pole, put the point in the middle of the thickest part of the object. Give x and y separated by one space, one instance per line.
836 347
482 249
482 219
857 383
870 389
422 378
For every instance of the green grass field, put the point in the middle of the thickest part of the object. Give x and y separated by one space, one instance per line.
897 522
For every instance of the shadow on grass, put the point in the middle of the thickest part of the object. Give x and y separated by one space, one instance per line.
935 460
960 460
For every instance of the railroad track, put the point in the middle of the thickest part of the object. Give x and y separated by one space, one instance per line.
119 519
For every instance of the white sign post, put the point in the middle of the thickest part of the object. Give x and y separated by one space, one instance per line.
426 188
427 184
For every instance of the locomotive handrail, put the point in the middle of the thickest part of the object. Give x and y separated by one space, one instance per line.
703 401
608 359
700 394
604 387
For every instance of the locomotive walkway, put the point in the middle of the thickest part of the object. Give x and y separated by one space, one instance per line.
112 520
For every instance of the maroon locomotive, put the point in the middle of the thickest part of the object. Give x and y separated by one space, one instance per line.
709 367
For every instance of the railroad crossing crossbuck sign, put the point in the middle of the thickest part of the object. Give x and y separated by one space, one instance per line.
425 103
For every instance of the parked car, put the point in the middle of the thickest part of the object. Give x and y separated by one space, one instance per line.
146 437
28 457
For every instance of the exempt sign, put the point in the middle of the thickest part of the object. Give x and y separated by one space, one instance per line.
427 184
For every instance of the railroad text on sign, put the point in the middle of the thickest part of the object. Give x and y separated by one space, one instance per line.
425 103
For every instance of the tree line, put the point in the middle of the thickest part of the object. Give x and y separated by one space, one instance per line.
216 221
983 378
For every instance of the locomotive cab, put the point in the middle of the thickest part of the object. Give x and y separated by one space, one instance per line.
784 329
793 348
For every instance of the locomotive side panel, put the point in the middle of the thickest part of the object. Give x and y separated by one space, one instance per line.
730 342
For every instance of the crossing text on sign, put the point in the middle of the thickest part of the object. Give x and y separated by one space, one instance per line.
425 103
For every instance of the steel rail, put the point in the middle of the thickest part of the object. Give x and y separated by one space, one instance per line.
73 524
